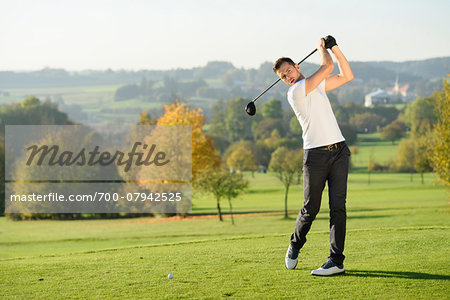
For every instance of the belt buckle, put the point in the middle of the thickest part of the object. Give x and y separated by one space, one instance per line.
332 147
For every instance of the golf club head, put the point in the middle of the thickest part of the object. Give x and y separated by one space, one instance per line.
250 108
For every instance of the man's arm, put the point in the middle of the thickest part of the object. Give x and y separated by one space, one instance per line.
326 67
336 80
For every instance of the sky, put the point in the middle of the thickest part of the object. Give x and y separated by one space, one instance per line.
161 35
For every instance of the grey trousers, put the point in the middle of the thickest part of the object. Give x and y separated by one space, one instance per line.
320 166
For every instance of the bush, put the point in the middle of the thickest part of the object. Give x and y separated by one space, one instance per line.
348 132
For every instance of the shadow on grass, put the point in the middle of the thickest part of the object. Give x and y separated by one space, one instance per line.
356 217
366 209
196 212
395 274
369 217
266 190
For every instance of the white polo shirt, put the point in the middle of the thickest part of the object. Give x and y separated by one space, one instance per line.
315 115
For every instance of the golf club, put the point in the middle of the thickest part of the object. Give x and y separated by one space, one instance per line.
251 108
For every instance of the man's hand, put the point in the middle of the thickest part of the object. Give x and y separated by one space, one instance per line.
321 44
336 80
326 67
330 42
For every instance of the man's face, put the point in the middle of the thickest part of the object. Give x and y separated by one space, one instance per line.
289 73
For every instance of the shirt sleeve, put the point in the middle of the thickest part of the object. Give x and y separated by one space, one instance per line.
297 92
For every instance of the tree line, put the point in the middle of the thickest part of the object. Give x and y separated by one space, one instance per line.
233 142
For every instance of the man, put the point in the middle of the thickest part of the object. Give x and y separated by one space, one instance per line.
326 155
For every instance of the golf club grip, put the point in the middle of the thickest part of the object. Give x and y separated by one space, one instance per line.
280 78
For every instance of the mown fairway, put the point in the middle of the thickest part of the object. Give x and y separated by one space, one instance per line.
397 247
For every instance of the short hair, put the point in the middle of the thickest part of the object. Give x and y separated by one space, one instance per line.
281 61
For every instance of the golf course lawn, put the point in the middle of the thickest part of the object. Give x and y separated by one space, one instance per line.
397 246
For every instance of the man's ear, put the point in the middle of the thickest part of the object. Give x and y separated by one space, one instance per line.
297 67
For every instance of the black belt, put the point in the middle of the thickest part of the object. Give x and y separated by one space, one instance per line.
331 147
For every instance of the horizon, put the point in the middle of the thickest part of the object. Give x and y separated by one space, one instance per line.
165 35
201 66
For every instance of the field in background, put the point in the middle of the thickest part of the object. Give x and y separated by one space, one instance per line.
81 95
370 145
96 101
397 247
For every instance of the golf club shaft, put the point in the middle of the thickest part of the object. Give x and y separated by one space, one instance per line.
307 56
266 90
280 78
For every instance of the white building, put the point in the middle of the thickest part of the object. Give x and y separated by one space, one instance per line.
376 98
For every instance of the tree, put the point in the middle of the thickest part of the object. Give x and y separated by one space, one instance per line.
126 92
214 69
394 131
238 123
31 101
233 76
266 127
146 119
348 132
440 147
235 185
204 154
406 156
350 93
31 111
286 163
341 114
420 111
72 139
222 184
260 153
272 109
217 127
273 141
422 162
366 122
242 159
294 126
389 113
332 97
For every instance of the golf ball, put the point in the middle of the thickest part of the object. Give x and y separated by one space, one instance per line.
170 276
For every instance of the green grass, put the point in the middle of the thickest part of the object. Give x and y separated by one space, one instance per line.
370 145
397 246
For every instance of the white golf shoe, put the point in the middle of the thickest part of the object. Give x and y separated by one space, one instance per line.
291 258
329 268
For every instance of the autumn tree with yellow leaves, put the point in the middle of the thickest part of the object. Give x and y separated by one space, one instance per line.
204 155
441 136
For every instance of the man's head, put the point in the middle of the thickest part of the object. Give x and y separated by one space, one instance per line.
287 70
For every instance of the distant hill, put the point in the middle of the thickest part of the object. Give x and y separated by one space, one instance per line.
222 80
429 68
382 71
